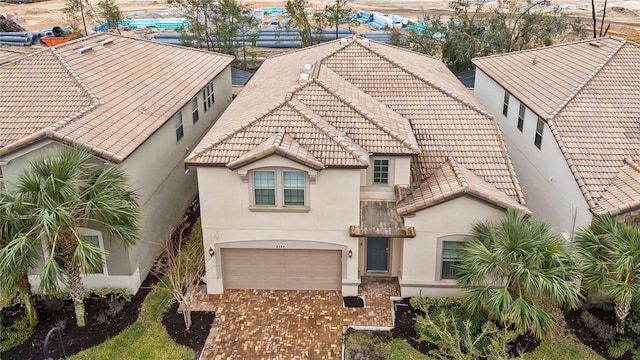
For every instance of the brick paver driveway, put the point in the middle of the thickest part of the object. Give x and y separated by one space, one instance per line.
270 324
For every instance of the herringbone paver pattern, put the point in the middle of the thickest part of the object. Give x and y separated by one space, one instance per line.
273 324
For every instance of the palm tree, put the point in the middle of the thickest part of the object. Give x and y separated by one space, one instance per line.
509 268
14 275
610 260
61 193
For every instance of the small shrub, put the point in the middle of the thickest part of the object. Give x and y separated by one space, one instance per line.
635 355
603 330
15 334
618 348
425 303
364 345
102 318
115 307
110 293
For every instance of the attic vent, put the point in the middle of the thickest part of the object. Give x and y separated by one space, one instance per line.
365 42
106 42
307 68
84 49
343 41
303 78
595 43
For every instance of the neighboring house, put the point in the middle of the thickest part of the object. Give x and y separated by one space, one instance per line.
346 159
570 114
132 102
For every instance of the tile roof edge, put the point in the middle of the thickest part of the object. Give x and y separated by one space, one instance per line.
427 203
588 79
355 150
191 159
413 146
591 201
620 209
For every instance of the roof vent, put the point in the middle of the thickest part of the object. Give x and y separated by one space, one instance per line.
84 49
595 43
343 41
365 42
307 68
106 42
303 78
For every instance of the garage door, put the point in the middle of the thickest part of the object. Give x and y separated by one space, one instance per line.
282 269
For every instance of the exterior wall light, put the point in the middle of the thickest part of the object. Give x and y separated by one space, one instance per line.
211 251
350 253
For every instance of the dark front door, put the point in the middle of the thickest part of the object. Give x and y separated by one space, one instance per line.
378 254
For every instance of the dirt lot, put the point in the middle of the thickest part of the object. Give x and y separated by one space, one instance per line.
623 14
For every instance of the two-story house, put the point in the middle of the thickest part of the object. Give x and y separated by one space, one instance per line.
132 102
570 114
348 159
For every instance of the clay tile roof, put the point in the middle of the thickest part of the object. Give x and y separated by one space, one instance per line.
452 180
10 53
383 99
109 99
282 144
589 94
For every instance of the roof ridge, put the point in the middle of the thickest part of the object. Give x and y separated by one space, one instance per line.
455 166
588 79
277 141
196 153
371 119
326 43
426 81
334 134
629 161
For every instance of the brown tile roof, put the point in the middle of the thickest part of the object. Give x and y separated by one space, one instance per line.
590 97
452 180
385 99
10 53
380 218
109 99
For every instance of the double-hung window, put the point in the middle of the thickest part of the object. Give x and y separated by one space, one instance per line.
539 131
380 172
177 120
450 258
279 187
208 96
521 117
505 104
194 109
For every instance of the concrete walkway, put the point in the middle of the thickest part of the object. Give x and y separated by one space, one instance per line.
271 324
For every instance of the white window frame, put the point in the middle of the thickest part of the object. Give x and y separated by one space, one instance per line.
208 96
439 263
195 109
279 189
505 103
92 232
370 172
537 141
521 114
178 125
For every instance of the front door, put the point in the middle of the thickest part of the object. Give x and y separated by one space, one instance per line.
378 254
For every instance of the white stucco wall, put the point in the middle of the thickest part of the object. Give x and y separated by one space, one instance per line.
549 187
399 174
228 221
421 255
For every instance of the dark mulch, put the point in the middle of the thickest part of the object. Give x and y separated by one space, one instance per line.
75 338
201 322
589 338
404 329
353 301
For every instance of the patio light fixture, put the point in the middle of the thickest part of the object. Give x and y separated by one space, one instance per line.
350 253
211 251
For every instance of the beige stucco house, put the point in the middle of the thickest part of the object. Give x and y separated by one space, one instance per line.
347 159
132 102
570 114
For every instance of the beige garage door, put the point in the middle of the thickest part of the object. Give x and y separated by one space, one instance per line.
282 269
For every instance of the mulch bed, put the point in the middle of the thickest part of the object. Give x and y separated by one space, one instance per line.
589 338
404 329
353 301
195 338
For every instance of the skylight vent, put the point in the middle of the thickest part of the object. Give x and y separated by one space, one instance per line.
343 41
84 49
106 42
596 44
303 78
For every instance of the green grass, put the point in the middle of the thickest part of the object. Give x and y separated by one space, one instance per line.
558 348
145 339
